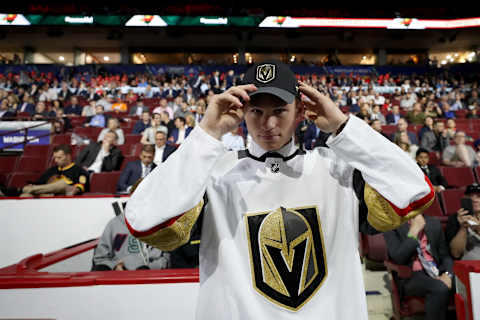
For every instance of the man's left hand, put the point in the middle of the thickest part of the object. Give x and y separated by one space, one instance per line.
446 280
327 116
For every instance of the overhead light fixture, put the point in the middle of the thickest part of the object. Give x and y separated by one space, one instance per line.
444 61
61 58
106 58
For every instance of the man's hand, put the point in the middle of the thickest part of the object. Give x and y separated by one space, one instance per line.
417 225
438 189
120 267
225 111
462 218
327 116
446 280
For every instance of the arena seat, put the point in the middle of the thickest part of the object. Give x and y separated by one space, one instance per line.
61 139
436 210
7 167
451 200
87 131
104 182
20 179
32 164
458 177
434 160
132 138
127 160
35 150
127 149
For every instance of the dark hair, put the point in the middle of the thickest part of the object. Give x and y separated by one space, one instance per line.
181 119
63 147
421 150
150 148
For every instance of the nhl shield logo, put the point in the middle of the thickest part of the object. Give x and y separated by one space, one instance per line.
287 255
265 73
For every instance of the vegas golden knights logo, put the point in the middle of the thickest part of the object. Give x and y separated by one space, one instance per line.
265 73
287 255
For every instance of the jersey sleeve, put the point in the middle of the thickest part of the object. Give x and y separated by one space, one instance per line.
163 209
395 188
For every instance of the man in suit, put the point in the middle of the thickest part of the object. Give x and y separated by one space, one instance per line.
437 139
162 149
74 109
420 244
394 116
100 119
138 109
438 180
137 169
402 126
101 156
180 132
143 123
26 105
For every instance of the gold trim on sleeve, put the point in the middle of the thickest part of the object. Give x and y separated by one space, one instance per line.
177 234
382 216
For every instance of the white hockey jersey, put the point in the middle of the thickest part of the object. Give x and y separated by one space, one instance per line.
280 230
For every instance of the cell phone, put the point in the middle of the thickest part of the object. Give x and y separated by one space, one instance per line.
467 204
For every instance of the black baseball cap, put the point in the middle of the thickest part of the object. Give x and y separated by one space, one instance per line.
273 77
473 188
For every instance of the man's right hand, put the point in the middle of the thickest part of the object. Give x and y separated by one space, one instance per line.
225 111
417 225
462 218
120 267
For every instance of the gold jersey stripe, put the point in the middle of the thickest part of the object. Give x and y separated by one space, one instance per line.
177 234
381 215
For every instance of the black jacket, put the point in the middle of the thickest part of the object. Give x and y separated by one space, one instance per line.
403 250
87 156
435 176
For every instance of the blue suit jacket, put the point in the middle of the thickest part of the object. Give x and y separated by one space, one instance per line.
174 134
130 174
30 108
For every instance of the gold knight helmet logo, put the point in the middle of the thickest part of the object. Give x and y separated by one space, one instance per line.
265 73
287 255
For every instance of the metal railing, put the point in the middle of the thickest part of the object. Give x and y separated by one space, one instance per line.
25 135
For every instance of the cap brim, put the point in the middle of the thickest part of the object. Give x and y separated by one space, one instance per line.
280 93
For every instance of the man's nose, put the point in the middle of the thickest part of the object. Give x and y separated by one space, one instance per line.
270 121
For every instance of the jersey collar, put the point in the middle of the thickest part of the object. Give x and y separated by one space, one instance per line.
287 152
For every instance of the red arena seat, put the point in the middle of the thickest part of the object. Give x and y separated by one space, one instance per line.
35 150
458 177
20 179
451 200
104 182
32 164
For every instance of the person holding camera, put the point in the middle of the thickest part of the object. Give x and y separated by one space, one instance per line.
463 228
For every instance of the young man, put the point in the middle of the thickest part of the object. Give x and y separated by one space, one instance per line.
137 169
280 231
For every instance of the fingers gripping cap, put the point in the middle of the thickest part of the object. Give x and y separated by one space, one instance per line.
273 77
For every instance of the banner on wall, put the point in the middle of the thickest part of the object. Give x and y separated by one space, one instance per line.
11 139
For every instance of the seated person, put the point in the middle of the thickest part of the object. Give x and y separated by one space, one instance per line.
66 178
119 106
463 228
162 149
233 141
101 156
118 250
402 126
433 173
143 123
100 119
138 109
459 154
148 135
113 124
420 244
180 133
402 140
137 169
437 139
74 109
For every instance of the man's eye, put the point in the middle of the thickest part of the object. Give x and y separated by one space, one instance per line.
256 111
279 111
